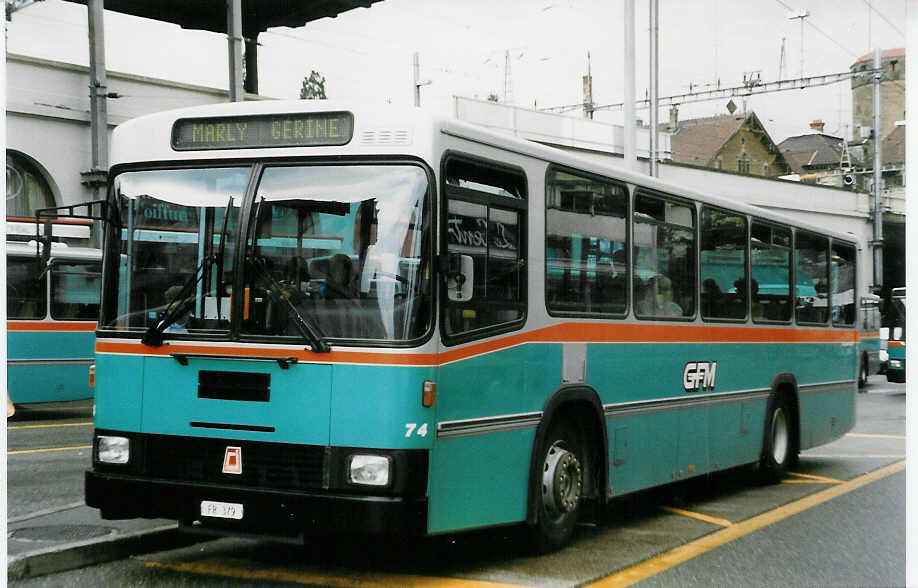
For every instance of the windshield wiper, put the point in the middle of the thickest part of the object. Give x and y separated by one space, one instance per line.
310 332
154 335
218 258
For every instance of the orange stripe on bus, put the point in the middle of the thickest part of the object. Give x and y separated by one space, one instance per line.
50 326
895 343
566 332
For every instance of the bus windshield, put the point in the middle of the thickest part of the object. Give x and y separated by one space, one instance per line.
898 300
332 251
341 247
176 249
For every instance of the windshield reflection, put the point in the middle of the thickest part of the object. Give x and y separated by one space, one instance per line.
347 247
170 249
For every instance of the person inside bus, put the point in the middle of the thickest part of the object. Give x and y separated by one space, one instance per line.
610 287
179 324
712 298
339 279
658 298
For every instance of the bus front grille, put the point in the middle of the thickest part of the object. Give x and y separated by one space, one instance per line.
264 465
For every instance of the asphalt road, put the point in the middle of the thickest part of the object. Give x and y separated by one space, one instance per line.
720 531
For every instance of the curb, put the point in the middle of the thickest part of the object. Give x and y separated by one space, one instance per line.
95 551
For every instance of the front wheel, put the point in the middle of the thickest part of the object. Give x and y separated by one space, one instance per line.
560 486
779 447
862 375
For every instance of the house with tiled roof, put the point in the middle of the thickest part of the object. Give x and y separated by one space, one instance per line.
731 142
817 157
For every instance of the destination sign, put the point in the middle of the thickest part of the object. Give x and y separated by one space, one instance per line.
272 130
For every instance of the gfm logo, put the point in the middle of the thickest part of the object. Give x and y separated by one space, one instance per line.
699 375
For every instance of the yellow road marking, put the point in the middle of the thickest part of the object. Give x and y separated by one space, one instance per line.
47 449
87 424
234 568
856 455
683 553
877 436
697 515
813 478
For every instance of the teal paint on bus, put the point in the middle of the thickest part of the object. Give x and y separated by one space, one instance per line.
119 392
895 372
298 409
479 480
34 382
380 406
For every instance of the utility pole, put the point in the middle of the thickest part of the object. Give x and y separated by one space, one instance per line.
630 131
508 85
654 82
782 61
234 47
877 176
801 15
588 91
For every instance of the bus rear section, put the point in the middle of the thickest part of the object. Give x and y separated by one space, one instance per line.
895 369
52 308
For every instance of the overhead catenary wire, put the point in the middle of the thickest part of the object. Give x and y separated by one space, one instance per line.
883 16
821 32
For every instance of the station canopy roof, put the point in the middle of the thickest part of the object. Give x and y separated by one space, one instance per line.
257 15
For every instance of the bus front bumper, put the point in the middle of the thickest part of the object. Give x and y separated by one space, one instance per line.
265 512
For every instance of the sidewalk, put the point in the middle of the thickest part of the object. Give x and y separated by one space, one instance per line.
74 535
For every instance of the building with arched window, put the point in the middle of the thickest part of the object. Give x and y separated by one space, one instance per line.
48 138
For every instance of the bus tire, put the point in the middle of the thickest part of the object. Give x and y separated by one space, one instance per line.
560 487
779 446
862 374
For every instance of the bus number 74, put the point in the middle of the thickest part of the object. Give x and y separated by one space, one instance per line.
413 428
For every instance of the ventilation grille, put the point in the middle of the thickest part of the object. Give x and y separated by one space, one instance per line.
264 465
385 137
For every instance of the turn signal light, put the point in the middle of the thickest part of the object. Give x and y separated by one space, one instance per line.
92 376
429 393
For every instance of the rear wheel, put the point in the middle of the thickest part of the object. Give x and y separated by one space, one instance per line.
862 374
779 448
560 486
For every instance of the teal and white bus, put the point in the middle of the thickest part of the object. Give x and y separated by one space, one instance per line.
51 312
872 343
895 368
320 318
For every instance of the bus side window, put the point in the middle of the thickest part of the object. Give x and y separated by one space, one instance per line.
26 297
723 265
486 211
585 244
812 278
843 285
771 272
663 258
75 290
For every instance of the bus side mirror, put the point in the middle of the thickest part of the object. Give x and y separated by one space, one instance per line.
460 277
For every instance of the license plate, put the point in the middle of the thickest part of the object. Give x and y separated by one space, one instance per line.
221 510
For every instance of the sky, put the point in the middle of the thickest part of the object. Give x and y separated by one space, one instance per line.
366 54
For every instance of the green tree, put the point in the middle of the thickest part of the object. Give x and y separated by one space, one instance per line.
313 87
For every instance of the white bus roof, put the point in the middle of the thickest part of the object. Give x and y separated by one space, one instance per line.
384 130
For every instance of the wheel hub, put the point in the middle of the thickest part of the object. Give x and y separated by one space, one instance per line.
562 480
780 436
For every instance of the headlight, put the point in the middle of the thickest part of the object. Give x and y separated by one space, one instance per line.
114 449
369 470
884 355
895 363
